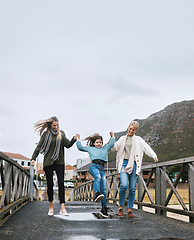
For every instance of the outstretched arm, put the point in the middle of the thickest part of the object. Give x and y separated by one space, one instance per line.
150 152
69 143
111 143
80 147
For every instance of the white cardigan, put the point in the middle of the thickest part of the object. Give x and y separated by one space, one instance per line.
139 147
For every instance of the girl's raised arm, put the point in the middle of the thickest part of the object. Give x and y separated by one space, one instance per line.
80 147
112 134
111 143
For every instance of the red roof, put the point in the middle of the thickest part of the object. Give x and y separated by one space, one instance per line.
16 156
69 167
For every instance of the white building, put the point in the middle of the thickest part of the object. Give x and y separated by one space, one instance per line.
69 170
22 160
82 162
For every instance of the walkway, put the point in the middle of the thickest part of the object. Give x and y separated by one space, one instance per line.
32 222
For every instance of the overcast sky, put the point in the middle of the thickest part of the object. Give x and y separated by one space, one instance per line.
96 65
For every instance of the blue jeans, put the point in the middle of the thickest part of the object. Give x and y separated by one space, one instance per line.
97 172
127 180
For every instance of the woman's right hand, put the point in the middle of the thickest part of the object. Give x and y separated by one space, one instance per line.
32 162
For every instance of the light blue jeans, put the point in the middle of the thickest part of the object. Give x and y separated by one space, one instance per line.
97 172
125 181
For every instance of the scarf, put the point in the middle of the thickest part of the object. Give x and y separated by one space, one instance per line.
47 142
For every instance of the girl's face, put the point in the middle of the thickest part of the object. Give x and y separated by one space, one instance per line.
55 126
98 143
131 131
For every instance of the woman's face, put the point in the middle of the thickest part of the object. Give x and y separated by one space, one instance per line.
98 143
55 126
131 131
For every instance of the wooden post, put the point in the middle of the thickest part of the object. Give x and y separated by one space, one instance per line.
71 195
45 194
31 183
140 189
5 199
160 190
107 187
163 191
114 188
157 189
191 189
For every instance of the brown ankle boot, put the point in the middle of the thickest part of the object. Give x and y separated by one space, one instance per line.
120 213
130 214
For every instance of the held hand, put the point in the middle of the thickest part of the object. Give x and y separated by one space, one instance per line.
112 134
32 162
155 160
77 137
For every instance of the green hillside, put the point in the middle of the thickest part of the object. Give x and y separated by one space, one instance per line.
170 132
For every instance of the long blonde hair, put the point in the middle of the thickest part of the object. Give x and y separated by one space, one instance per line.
45 125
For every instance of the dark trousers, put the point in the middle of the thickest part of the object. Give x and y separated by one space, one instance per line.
59 169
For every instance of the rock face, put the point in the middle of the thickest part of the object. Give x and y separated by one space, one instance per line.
170 132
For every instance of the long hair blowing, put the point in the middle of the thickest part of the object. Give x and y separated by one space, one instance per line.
91 139
45 125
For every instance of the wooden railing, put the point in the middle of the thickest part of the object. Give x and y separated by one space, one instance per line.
85 192
14 187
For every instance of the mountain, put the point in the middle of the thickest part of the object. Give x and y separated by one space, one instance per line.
170 132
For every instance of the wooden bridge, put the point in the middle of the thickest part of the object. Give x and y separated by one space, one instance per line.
17 191
15 184
161 204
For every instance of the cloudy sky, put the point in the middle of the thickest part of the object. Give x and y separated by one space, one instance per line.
96 65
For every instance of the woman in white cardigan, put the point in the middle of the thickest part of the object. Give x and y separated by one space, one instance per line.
130 149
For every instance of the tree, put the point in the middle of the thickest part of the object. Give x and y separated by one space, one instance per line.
177 168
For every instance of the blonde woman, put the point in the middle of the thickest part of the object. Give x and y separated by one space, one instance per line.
130 149
51 144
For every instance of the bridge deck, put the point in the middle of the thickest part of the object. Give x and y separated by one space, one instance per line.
32 222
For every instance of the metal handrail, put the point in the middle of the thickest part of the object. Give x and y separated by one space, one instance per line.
85 191
15 187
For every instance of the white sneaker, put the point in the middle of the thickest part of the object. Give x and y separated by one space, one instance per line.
63 212
51 212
